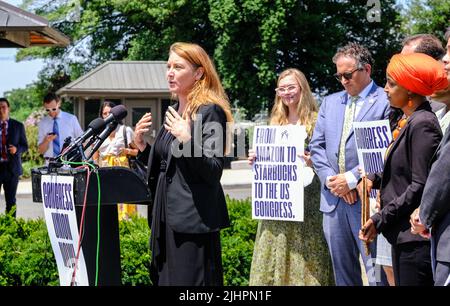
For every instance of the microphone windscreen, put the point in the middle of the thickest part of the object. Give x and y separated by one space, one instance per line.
119 112
97 124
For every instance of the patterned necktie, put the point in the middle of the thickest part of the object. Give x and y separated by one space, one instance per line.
4 156
56 147
348 121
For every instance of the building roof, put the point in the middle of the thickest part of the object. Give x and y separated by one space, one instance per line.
120 77
19 28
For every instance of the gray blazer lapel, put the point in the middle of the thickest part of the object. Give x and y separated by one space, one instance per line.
368 103
444 140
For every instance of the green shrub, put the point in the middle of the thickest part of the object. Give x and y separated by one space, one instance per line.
32 138
31 158
237 243
134 251
26 256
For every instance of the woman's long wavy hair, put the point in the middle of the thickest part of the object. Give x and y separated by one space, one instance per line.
208 89
306 107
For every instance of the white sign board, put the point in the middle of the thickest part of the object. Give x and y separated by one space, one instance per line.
277 184
372 140
61 220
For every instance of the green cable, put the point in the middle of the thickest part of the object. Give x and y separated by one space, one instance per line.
98 213
98 231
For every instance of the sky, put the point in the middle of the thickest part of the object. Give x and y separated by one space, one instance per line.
17 75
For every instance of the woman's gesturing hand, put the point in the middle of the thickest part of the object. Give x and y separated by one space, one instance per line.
142 126
177 126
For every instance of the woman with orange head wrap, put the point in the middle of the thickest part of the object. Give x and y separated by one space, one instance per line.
409 79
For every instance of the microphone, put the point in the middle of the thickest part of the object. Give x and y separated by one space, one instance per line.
116 114
100 138
94 127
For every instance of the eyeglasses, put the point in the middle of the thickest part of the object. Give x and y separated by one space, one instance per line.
346 75
48 110
287 89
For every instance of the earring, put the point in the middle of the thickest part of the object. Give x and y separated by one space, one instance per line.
410 102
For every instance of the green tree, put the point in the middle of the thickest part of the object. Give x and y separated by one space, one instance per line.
23 101
273 35
251 41
427 16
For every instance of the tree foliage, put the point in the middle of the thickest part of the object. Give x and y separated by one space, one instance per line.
251 41
427 16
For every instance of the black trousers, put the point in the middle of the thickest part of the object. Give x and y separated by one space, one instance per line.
411 263
9 181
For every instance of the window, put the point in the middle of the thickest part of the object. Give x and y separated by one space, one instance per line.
91 108
137 113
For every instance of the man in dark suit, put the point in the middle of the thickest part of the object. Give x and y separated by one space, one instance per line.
435 212
13 144
435 207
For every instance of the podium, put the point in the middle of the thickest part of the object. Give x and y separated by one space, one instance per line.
117 185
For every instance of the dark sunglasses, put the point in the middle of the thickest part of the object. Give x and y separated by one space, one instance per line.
51 110
346 75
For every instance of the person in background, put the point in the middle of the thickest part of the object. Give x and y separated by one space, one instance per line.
13 145
288 253
184 170
55 127
114 151
429 45
334 157
443 96
410 78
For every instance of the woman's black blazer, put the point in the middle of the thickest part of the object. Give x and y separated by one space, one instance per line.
195 198
406 169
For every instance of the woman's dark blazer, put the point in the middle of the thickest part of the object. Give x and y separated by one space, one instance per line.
195 198
405 172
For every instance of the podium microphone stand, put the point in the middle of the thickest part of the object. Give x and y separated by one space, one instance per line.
117 185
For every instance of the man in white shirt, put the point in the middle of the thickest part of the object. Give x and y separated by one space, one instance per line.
56 127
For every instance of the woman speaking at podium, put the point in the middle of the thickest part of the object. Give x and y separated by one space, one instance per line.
185 167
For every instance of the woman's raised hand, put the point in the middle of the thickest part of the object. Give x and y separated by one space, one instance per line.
177 126
142 126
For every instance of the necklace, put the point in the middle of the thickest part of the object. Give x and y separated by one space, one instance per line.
400 125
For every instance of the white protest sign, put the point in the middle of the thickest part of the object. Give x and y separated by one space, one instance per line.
277 185
61 220
372 140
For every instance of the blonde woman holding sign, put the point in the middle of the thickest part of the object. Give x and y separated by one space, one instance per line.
293 253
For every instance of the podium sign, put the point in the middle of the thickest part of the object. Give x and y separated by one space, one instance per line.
60 217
